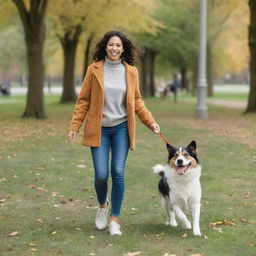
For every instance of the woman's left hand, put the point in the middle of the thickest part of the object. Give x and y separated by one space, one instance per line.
155 128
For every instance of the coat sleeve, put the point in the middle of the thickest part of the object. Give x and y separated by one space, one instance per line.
140 109
82 103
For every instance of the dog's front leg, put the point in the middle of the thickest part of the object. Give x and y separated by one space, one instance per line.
196 218
181 215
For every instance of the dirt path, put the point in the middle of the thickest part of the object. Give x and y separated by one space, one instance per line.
228 103
233 124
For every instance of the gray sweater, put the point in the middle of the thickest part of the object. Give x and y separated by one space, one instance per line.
114 111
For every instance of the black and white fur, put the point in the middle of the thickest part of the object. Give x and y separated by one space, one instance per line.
179 186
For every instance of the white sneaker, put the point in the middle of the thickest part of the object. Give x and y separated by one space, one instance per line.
114 229
101 219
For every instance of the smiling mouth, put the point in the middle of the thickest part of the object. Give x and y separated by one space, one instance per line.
181 169
114 53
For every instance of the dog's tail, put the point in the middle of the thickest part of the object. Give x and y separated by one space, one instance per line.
159 169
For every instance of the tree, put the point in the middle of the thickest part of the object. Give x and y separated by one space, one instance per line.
251 105
69 21
93 19
32 17
180 38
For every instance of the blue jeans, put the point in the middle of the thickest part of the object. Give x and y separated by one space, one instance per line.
116 140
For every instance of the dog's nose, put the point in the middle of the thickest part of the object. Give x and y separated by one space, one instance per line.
179 161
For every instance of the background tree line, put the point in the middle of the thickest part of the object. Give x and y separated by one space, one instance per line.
166 30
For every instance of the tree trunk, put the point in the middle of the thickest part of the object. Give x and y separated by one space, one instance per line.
184 79
35 97
209 70
34 28
69 44
251 105
86 54
49 83
148 73
152 57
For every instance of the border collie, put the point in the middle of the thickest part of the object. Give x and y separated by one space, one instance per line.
179 186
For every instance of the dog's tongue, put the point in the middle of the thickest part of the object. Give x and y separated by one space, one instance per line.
181 170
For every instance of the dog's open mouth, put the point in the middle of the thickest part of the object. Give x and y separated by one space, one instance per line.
181 169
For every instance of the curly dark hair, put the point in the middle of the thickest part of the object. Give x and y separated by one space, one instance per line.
128 55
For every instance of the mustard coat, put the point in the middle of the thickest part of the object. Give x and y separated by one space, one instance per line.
90 103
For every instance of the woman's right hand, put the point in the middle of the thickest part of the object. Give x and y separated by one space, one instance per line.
72 136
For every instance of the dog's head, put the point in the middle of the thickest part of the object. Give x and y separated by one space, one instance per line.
183 159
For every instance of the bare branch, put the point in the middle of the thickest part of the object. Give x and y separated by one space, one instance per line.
42 9
24 15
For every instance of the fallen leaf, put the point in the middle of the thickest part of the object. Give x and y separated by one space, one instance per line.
247 195
33 249
161 234
248 221
32 244
43 167
197 254
218 229
184 235
54 233
4 217
40 220
133 253
167 254
2 200
81 166
223 222
14 233
92 237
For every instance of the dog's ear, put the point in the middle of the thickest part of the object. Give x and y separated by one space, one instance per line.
192 146
170 149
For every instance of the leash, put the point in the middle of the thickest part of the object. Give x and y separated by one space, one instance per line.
163 138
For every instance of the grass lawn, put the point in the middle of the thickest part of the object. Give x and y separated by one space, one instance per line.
48 203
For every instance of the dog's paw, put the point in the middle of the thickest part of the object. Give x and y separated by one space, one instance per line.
167 223
173 223
186 224
196 232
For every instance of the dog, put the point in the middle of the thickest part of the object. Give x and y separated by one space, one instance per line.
179 186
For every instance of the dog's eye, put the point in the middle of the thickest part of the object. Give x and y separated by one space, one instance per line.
186 154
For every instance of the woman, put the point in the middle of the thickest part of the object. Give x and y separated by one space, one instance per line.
108 101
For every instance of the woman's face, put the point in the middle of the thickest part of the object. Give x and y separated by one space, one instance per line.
114 48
